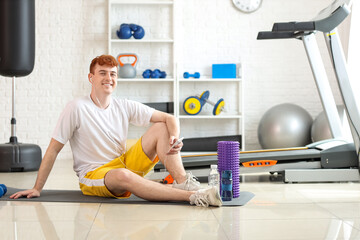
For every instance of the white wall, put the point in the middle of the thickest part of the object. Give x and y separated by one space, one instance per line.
276 71
70 33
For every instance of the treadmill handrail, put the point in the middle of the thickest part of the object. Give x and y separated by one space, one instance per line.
279 35
331 22
293 26
327 20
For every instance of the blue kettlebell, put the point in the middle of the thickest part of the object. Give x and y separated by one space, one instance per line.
124 32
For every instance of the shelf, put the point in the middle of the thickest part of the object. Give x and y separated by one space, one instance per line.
142 2
210 116
145 80
161 48
142 41
210 79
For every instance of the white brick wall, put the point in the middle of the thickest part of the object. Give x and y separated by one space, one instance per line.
276 71
70 33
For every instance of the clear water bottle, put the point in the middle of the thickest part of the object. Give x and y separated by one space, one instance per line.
226 185
214 177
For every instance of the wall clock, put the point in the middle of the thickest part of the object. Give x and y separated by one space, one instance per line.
247 6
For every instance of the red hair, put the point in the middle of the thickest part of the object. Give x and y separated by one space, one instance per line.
103 60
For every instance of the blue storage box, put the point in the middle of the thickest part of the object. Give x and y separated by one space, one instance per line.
224 70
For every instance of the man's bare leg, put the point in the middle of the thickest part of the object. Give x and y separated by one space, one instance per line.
118 181
156 142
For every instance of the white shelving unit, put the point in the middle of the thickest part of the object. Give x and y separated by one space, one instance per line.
155 51
232 118
126 80
143 41
158 49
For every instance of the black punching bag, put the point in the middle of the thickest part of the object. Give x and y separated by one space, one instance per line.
17 56
17 37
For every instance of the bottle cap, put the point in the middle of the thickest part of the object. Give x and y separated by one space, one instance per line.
213 166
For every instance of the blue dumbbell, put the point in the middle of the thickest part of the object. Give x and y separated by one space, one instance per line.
147 73
188 75
154 74
3 190
124 32
163 74
158 74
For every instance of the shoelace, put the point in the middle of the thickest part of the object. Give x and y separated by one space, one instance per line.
191 178
201 201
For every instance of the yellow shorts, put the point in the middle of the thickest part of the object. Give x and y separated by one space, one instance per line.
136 161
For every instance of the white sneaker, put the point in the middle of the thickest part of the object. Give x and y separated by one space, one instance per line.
206 197
190 184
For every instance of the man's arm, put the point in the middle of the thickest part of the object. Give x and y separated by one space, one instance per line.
45 167
172 124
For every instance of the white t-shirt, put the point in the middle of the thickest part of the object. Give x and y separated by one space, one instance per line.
97 136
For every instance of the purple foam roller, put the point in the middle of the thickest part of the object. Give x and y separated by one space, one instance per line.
228 159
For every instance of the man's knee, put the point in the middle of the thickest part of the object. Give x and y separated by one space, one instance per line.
160 127
120 175
118 181
158 131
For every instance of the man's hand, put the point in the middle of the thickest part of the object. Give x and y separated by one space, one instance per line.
27 193
175 149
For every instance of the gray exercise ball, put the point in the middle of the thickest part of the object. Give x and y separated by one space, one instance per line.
284 126
320 129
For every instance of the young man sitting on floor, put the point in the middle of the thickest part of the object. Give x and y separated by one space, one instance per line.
97 128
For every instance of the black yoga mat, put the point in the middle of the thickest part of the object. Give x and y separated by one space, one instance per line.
78 197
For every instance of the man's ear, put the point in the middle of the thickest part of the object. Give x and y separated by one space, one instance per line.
90 78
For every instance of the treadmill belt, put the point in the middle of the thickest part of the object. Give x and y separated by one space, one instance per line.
198 160
281 155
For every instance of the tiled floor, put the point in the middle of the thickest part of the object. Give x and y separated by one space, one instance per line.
278 211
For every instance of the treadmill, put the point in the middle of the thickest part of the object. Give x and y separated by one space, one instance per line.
333 160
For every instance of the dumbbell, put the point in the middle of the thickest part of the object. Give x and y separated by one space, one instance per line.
188 75
158 74
3 190
147 73
218 106
154 74
193 105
